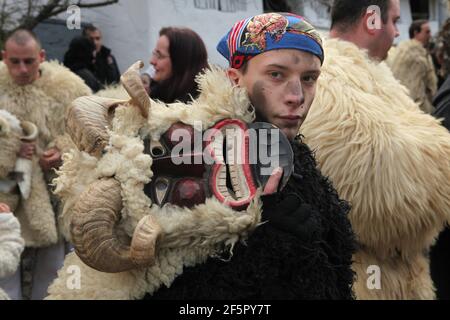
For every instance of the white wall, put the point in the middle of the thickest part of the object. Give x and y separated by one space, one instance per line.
130 28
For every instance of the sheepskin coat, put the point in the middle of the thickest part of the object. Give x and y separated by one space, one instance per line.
43 103
35 213
413 66
390 161
11 247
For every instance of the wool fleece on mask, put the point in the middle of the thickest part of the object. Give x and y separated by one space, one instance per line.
390 161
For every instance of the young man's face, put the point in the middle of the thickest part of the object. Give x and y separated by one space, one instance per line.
23 61
281 86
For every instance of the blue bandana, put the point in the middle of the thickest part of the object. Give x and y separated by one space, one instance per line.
269 31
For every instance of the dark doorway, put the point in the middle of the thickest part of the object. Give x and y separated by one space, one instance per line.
420 9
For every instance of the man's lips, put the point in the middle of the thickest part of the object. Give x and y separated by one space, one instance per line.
291 117
291 120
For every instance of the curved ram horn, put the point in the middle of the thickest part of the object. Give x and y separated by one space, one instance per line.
87 120
131 81
30 131
94 234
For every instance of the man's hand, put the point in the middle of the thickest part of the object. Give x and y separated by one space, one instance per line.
27 150
272 185
290 214
4 208
50 159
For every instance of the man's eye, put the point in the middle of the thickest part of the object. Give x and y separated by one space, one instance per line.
310 79
276 75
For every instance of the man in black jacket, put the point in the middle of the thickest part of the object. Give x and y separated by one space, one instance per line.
440 253
106 69
303 249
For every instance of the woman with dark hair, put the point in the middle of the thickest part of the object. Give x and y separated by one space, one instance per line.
80 60
178 57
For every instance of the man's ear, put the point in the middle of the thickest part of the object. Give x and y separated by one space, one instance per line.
235 76
372 22
4 55
42 55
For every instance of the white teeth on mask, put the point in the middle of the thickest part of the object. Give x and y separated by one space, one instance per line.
240 190
217 147
222 182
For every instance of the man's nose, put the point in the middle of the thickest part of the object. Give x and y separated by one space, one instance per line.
23 67
294 94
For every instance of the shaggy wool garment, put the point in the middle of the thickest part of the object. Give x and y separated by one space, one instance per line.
44 103
11 246
295 254
390 161
34 213
412 65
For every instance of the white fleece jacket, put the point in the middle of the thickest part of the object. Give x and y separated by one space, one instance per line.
11 247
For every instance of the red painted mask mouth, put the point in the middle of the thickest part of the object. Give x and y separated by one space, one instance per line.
231 180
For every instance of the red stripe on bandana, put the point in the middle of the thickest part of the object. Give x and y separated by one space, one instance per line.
233 41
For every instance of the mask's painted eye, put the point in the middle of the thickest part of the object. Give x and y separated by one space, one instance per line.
161 188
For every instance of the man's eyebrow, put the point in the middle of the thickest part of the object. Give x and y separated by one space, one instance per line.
312 71
18 59
283 67
276 65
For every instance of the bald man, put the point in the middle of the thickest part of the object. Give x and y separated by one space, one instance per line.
37 91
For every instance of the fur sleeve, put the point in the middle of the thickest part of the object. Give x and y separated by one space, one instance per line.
11 244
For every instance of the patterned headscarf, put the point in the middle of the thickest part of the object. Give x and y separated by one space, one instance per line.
269 31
